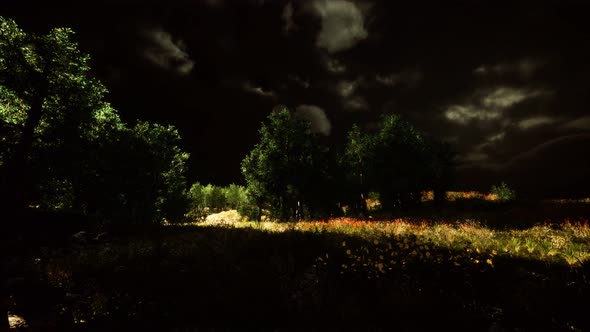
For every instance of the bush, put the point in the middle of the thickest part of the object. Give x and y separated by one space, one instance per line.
503 192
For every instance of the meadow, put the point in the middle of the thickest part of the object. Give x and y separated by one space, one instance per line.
471 266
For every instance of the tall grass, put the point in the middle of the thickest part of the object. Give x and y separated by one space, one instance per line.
567 241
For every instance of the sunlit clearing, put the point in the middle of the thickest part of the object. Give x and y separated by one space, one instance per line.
568 241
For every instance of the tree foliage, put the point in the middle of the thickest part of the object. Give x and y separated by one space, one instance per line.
285 170
62 147
292 173
503 192
204 200
398 162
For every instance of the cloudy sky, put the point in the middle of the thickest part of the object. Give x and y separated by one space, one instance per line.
506 82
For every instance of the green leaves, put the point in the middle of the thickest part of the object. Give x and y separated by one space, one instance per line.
397 161
65 148
503 192
285 169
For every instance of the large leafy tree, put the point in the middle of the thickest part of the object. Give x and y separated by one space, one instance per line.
65 148
137 175
47 94
285 169
398 162
401 163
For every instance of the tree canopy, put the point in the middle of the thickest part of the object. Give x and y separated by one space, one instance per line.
285 170
63 147
293 173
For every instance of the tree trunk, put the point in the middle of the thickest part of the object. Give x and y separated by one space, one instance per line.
16 181
15 178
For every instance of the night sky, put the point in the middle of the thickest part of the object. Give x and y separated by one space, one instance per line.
506 82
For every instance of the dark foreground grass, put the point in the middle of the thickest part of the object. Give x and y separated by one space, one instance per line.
193 278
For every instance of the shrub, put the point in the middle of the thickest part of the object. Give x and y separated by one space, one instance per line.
503 192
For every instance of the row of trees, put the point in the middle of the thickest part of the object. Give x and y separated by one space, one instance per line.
63 148
293 173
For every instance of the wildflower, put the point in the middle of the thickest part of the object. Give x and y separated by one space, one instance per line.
478 251
494 252
344 243
476 261
348 251
489 261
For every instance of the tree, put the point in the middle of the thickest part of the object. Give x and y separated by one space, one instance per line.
441 168
503 192
196 197
139 176
214 198
356 161
45 81
236 196
65 148
282 170
398 162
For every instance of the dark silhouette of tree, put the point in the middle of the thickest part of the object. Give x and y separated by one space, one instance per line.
356 163
285 170
441 168
67 149
46 76
398 162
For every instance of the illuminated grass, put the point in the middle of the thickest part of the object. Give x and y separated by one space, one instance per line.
224 268
565 242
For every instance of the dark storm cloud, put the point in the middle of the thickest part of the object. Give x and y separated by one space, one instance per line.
500 80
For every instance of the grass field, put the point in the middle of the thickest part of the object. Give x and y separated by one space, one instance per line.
425 272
